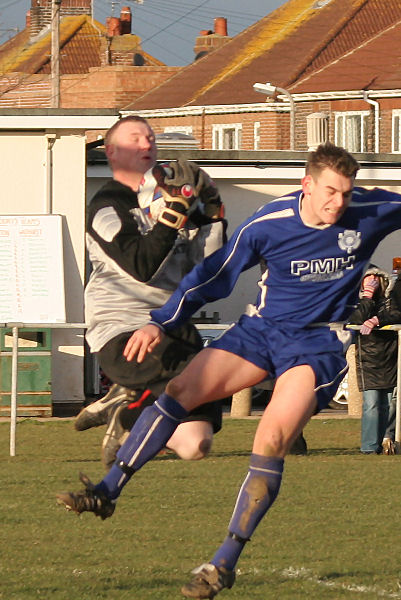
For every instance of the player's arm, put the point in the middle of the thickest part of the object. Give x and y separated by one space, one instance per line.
212 279
386 208
142 341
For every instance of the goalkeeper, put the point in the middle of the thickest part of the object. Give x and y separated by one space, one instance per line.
142 238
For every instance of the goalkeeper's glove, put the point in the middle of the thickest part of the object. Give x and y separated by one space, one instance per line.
209 195
204 188
177 184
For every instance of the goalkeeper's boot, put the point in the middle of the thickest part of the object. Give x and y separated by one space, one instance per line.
208 581
88 500
96 414
115 435
120 421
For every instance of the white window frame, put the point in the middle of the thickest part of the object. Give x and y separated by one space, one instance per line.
179 129
219 132
396 131
342 135
256 135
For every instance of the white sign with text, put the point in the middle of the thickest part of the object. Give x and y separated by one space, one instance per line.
32 270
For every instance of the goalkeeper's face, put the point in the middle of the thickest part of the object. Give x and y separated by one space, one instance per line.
132 147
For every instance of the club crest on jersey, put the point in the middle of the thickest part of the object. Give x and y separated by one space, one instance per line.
349 240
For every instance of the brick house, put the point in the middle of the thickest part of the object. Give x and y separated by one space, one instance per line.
100 66
337 59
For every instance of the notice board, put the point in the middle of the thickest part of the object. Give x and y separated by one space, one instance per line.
32 269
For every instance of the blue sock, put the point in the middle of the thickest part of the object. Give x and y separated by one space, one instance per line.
153 428
257 494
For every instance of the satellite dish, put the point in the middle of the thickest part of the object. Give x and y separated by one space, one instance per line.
138 60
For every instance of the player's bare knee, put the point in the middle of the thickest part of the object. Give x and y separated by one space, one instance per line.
195 450
176 387
274 444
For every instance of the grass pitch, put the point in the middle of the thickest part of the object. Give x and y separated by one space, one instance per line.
333 533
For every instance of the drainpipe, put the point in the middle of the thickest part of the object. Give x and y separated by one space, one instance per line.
376 107
51 138
203 128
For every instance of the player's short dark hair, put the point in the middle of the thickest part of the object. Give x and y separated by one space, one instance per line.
117 124
333 157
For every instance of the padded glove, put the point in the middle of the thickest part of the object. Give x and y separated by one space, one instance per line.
368 325
204 188
209 195
369 286
177 185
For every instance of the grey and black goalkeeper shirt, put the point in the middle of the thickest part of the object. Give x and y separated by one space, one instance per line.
136 262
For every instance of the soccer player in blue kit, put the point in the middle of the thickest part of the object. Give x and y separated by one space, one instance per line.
316 243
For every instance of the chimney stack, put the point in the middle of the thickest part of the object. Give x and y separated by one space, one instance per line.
40 14
210 40
113 25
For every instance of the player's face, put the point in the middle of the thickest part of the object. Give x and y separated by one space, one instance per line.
132 147
325 197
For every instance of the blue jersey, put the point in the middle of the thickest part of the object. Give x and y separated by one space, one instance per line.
312 273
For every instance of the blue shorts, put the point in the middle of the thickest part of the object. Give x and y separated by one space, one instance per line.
276 349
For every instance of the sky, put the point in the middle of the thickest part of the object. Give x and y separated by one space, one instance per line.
168 28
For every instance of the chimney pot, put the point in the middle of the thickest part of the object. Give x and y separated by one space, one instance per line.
126 20
220 26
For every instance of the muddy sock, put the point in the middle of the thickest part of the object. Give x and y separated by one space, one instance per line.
257 494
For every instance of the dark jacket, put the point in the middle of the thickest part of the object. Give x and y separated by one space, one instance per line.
376 354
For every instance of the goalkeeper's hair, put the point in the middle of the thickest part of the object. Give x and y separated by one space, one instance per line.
333 157
117 124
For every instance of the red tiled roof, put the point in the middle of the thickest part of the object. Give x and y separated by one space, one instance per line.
33 56
275 49
80 51
286 46
374 65
371 17
80 48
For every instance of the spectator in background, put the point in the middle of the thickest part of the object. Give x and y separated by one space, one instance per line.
376 361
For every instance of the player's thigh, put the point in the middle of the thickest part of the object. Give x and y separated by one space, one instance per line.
292 404
213 374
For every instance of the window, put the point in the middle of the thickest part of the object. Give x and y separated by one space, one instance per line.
351 131
227 137
396 144
256 135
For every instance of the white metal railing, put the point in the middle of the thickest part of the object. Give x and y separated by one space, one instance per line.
205 326
14 367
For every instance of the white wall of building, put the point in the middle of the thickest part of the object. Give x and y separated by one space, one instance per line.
48 177
45 172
